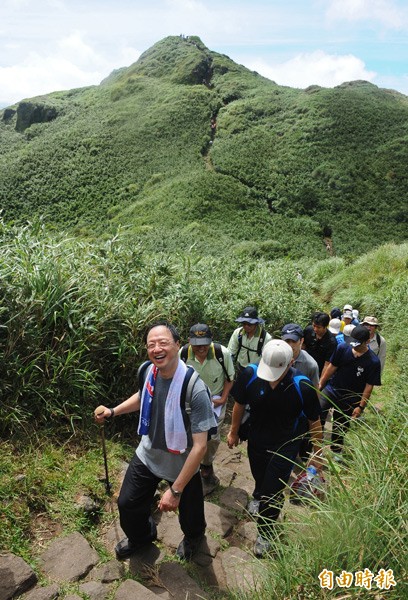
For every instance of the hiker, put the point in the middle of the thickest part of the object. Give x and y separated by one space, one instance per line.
334 328
292 334
376 343
319 342
347 332
277 395
214 364
347 383
247 341
335 313
169 449
346 319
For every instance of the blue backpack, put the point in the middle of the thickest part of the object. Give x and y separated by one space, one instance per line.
243 431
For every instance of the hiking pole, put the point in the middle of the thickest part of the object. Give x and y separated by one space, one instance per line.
105 457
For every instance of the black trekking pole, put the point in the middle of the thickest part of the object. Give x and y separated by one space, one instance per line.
105 458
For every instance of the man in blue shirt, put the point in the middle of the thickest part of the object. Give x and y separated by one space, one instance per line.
347 383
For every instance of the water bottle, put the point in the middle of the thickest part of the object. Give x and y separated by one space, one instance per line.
311 473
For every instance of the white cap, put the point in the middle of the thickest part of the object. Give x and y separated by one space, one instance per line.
348 329
276 357
334 326
347 307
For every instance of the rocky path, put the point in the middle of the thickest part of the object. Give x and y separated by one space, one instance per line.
74 570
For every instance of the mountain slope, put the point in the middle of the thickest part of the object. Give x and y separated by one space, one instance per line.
186 148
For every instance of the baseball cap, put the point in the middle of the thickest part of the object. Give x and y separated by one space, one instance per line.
276 357
249 315
347 307
370 321
335 313
359 335
334 326
292 331
348 329
348 314
200 335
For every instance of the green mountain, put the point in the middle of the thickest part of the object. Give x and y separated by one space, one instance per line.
187 149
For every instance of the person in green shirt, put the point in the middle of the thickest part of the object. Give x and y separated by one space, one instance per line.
214 364
247 341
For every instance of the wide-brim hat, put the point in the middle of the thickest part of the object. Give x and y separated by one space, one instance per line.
249 315
276 356
370 321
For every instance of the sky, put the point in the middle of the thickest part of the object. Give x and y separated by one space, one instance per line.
52 45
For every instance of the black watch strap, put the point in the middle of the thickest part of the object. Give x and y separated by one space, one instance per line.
175 493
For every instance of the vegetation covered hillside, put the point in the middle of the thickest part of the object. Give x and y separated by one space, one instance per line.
186 149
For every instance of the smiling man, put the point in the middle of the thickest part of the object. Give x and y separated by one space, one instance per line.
171 447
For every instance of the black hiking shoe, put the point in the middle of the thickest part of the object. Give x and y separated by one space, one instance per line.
126 548
188 547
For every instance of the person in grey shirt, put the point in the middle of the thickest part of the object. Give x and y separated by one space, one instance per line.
303 362
292 334
170 449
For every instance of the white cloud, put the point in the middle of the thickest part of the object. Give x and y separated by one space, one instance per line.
315 68
74 63
386 12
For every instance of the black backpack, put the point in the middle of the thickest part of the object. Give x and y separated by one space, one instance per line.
260 342
217 353
190 378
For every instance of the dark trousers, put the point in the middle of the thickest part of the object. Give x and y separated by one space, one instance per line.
136 497
342 411
271 470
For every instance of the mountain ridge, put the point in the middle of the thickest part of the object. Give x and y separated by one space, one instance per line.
185 136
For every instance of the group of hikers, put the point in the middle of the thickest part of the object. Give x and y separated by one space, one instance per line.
283 390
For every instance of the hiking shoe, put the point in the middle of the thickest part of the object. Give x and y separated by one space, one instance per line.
188 547
206 471
253 507
261 547
126 548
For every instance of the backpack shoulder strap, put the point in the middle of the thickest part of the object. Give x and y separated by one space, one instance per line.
261 341
239 340
254 374
378 338
141 373
220 357
296 380
184 353
190 378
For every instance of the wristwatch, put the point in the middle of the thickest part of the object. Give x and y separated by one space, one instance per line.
175 493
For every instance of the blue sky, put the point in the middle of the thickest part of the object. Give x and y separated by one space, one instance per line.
50 45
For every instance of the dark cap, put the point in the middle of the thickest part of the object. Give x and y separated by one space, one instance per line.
359 335
200 335
249 315
292 331
335 313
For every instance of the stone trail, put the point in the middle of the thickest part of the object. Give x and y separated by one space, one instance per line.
224 561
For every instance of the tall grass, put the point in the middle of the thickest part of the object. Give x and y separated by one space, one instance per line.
362 524
73 315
